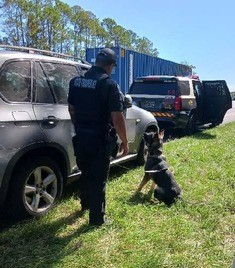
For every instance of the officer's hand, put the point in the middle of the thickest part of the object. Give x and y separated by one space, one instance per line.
124 148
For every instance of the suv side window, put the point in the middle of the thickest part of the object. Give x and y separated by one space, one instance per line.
214 88
43 92
59 76
184 87
15 81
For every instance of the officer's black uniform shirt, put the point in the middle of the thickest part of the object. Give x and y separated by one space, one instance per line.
94 97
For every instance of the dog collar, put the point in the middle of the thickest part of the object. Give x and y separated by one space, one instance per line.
155 171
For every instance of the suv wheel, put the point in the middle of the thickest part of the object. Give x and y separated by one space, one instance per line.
191 125
35 188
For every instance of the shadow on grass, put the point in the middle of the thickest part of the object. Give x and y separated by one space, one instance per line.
115 173
141 198
201 135
71 190
147 198
39 243
6 223
121 169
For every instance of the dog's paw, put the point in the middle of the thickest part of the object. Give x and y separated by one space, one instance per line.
138 195
150 193
136 198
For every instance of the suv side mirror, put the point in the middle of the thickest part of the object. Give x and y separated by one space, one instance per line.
127 101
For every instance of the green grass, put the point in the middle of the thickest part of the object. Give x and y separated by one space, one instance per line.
196 232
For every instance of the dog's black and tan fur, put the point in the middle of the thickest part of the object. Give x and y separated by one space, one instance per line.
164 186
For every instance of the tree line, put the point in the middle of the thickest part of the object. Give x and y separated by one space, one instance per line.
54 25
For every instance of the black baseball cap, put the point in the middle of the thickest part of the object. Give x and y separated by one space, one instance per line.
107 55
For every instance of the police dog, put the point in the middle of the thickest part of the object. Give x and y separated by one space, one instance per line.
164 186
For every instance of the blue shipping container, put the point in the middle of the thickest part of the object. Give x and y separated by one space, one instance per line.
132 64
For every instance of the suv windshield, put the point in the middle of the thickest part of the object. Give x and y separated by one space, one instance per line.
154 87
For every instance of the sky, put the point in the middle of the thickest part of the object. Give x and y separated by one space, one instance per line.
201 33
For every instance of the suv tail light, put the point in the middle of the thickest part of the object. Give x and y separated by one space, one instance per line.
178 103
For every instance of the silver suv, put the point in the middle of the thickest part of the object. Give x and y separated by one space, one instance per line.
36 153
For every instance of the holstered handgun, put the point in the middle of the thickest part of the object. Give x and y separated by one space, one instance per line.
112 145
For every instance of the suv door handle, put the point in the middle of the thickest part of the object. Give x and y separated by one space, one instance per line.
51 120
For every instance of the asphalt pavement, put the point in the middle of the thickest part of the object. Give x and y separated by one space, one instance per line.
230 115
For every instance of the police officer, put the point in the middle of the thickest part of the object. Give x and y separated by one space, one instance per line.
95 105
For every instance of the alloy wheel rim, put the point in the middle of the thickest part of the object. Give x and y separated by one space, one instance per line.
40 189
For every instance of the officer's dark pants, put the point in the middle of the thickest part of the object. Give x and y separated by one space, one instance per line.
94 165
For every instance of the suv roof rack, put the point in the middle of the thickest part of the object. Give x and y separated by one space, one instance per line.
42 52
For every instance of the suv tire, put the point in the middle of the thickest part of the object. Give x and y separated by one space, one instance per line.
35 188
191 125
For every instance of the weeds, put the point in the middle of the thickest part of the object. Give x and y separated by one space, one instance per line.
198 231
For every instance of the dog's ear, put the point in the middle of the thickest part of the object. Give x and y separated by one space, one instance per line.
149 136
146 136
161 134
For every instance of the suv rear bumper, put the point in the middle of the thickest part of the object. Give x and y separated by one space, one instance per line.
172 119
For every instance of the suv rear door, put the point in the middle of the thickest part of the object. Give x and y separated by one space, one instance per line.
18 124
216 101
154 94
51 85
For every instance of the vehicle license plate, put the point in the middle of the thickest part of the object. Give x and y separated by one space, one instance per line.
149 104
